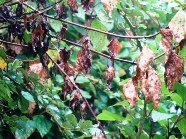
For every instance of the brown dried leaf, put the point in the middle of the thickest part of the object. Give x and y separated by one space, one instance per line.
76 95
151 87
98 137
144 61
61 34
37 34
114 47
61 11
87 5
110 73
174 69
31 108
109 5
73 5
37 67
178 26
67 87
166 42
130 92
84 56
83 108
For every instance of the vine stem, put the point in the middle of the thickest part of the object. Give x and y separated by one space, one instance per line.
76 44
142 121
94 29
74 84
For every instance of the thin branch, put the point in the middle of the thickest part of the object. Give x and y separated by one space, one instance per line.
76 44
132 29
159 56
74 84
94 29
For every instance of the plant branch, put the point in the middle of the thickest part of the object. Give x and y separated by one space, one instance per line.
142 121
74 84
132 29
94 29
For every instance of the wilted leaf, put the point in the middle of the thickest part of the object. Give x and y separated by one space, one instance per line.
87 5
114 47
84 56
83 108
37 67
166 42
150 87
73 5
110 73
174 69
130 92
178 26
31 108
109 5
143 62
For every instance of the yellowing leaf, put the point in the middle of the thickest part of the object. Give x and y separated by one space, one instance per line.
3 64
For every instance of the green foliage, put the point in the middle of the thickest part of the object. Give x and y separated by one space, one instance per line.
35 108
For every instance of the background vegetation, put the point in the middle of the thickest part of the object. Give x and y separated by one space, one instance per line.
92 69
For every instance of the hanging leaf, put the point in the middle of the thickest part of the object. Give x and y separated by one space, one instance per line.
178 25
166 42
174 69
73 5
31 108
143 62
109 5
150 87
37 67
130 92
84 56
114 47
87 5
110 73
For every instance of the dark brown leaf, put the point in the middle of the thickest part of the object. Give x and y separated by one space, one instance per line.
166 42
61 34
174 69
73 5
87 5
109 75
84 56
114 47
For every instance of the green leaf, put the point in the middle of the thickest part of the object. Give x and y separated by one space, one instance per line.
175 97
25 129
99 40
158 116
109 116
82 79
59 78
71 120
42 124
27 36
27 96
182 126
85 124
180 90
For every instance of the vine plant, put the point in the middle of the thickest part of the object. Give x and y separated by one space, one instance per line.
79 69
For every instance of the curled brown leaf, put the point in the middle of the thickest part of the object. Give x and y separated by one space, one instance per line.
87 5
109 75
109 5
151 87
166 42
114 47
130 92
73 5
31 107
174 69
